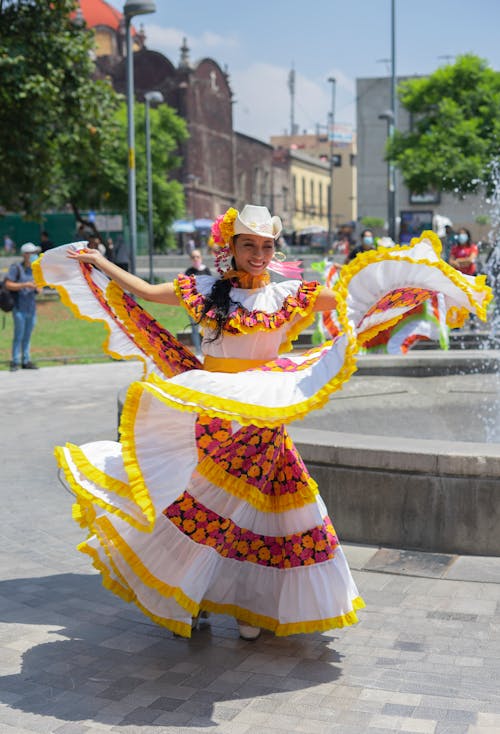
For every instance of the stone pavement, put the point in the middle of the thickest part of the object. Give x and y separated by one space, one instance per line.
74 658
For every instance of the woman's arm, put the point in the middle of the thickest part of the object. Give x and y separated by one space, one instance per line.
326 300
161 293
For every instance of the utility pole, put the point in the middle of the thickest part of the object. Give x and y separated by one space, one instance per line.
291 87
392 126
331 138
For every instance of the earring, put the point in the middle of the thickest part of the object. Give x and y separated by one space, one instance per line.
279 256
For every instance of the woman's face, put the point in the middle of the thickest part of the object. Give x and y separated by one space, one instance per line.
253 253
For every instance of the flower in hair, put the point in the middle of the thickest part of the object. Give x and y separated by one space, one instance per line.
223 227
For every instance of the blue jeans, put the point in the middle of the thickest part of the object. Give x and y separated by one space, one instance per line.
24 323
195 336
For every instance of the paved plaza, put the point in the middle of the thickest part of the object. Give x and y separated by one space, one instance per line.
74 658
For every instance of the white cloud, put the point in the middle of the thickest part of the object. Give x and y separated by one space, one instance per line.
261 90
263 100
169 41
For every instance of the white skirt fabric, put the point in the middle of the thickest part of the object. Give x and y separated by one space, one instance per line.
204 503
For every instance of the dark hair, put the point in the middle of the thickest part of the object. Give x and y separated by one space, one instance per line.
365 231
219 302
464 229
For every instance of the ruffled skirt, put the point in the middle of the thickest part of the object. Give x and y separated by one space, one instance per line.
204 503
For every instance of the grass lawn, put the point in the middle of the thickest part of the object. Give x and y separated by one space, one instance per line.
59 336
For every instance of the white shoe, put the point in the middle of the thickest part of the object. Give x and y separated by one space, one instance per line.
247 632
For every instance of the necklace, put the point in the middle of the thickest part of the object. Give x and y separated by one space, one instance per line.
247 280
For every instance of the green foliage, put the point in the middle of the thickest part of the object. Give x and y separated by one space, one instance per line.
455 132
59 335
63 133
483 220
45 70
372 222
168 130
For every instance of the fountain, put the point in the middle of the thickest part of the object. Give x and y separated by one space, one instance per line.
408 453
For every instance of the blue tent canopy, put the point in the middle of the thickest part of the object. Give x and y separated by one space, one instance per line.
203 223
182 225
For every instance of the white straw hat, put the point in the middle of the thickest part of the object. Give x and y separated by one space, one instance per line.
257 220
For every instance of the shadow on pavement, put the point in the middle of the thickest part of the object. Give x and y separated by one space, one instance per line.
82 654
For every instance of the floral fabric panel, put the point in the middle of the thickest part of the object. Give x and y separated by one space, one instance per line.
169 355
289 551
261 465
398 298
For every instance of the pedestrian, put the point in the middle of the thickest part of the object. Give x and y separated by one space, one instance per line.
120 254
449 239
367 242
463 257
463 254
95 243
196 268
45 241
205 503
20 282
9 246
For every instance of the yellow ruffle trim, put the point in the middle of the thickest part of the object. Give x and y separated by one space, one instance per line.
127 439
306 313
124 591
121 590
194 401
355 266
113 485
108 535
83 510
291 628
113 295
237 487
66 300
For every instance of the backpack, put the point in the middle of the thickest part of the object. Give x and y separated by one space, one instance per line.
7 298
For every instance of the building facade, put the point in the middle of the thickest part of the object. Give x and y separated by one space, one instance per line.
220 166
374 98
344 170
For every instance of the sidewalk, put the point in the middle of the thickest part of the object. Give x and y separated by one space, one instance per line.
74 658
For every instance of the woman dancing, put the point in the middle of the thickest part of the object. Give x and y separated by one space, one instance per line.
204 504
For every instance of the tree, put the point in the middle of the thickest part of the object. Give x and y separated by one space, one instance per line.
455 131
45 99
62 132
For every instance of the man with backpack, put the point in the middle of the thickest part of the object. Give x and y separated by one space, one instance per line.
20 282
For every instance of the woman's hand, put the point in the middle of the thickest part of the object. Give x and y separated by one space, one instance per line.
86 255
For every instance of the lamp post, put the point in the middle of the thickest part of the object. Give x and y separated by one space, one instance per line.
130 10
331 136
150 98
391 188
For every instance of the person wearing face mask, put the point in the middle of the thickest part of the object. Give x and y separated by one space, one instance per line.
20 282
463 254
367 243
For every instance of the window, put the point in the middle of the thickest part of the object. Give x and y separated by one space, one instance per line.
337 160
304 204
320 197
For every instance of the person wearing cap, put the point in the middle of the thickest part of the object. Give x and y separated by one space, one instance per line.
205 505
20 282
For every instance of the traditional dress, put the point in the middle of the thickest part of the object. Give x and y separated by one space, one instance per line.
204 503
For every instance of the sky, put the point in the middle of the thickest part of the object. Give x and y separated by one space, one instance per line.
259 42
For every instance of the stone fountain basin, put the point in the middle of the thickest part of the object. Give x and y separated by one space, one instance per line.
411 462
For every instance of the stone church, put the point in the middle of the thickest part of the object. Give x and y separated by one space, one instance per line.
221 167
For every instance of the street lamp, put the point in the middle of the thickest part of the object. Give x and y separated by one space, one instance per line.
391 188
130 10
390 116
331 136
150 98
